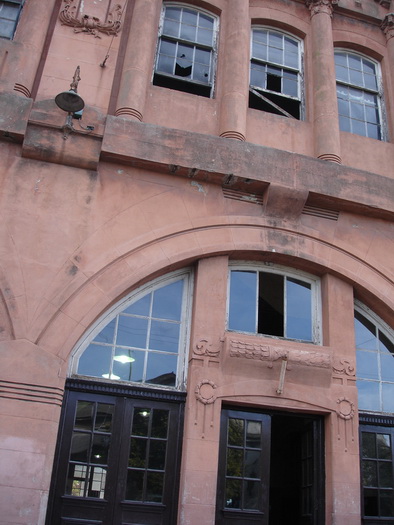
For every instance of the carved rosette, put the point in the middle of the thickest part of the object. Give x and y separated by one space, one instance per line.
91 24
205 392
345 409
321 6
388 25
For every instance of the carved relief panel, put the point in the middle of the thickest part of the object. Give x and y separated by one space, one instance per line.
92 17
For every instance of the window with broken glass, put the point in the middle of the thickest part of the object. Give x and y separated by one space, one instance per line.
359 95
276 73
274 302
9 16
186 54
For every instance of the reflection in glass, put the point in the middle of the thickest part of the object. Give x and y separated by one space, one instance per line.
252 464
157 454
384 446
234 462
154 486
253 434
299 309
140 423
251 495
161 369
80 444
164 336
95 361
104 415
100 449
236 432
84 415
242 312
137 455
132 331
233 493
159 423
368 445
135 484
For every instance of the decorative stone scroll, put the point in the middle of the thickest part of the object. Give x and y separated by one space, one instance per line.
388 26
345 421
321 6
204 348
344 367
91 24
260 352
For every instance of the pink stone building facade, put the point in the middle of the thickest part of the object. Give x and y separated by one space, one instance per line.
196 273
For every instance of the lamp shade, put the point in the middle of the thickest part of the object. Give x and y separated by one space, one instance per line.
69 101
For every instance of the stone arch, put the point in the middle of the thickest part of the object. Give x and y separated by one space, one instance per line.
90 295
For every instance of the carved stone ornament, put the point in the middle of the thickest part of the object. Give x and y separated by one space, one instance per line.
205 392
345 408
204 347
344 367
388 26
270 354
91 24
321 6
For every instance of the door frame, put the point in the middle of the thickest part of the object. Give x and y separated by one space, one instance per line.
223 517
122 394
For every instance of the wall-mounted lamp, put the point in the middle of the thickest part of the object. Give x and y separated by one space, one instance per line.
73 104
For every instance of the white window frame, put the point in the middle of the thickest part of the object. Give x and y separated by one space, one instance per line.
378 92
214 48
18 3
316 312
383 327
112 312
299 70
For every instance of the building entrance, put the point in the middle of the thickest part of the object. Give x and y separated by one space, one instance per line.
271 469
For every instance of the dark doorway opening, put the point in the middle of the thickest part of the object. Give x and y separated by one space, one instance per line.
271 469
296 476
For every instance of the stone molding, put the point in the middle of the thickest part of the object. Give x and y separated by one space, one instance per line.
91 24
344 367
204 348
388 26
34 393
270 354
321 6
205 392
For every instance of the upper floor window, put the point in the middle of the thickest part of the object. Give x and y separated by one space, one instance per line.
274 302
359 95
9 15
186 54
275 73
142 339
375 362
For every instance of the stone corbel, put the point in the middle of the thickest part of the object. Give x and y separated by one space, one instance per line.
321 6
388 25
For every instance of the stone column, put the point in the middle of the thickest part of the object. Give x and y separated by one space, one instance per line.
235 92
26 48
139 56
325 108
202 416
388 29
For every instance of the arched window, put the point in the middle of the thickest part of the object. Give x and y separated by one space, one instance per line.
274 301
359 94
186 54
276 73
375 362
9 16
142 339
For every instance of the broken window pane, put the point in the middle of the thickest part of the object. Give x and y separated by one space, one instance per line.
284 305
275 68
192 69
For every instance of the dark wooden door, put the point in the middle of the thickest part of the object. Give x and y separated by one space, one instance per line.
117 461
244 468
